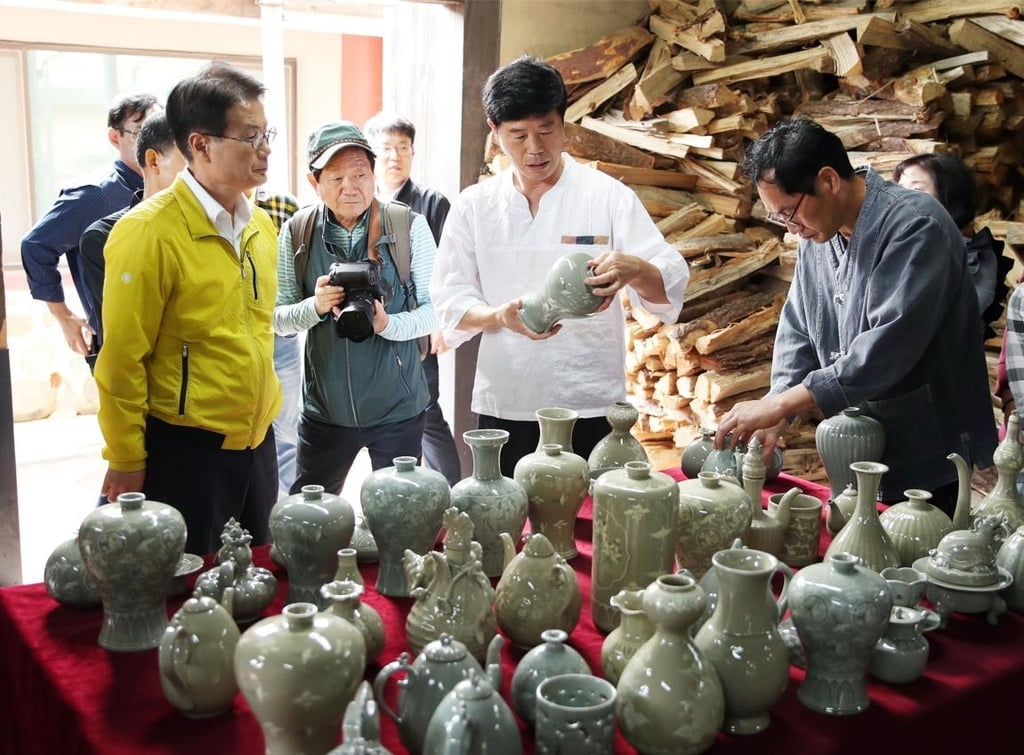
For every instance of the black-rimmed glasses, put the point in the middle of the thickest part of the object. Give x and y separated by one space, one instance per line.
785 220
256 141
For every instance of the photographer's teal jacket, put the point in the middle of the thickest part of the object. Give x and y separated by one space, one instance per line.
380 380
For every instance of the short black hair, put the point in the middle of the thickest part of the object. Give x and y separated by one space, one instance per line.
388 123
200 103
954 185
127 107
791 154
525 88
154 133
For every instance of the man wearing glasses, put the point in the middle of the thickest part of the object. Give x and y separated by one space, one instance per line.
881 314
77 207
186 375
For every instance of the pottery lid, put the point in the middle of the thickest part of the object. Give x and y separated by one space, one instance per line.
475 687
199 605
967 557
538 546
445 649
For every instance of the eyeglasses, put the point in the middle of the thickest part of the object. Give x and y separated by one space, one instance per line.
256 141
122 130
401 149
785 220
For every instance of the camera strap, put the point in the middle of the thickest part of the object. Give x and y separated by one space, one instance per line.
397 222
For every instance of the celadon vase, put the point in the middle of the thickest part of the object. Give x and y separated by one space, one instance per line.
848 437
670 700
696 453
555 425
863 536
765 533
537 591
633 631
1010 556
636 525
556 483
742 640
298 671
564 294
901 654
343 598
713 512
840 609
494 503
348 566
618 446
1004 497
309 528
403 505
915 526
130 550
196 657
453 595
775 605
66 579
550 658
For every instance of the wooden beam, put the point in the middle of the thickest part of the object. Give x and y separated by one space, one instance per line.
600 94
601 59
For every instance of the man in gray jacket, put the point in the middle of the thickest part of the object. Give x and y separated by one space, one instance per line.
881 313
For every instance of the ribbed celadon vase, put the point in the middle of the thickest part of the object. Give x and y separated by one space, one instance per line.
915 526
845 438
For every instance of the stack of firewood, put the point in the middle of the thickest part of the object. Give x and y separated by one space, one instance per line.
669 106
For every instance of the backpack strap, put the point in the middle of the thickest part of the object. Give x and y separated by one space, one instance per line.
301 226
397 222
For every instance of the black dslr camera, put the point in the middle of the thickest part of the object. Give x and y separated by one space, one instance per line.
363 283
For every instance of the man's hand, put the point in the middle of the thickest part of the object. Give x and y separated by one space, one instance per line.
749 417
380 317
507 317
78 333
437 343
327 298
611 272
115 483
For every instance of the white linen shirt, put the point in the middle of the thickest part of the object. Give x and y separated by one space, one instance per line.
493 250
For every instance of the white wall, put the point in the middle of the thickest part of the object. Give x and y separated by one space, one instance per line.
548 27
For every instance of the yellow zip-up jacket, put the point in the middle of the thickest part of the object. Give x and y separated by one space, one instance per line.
187 327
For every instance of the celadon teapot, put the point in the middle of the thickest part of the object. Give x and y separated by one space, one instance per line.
439 668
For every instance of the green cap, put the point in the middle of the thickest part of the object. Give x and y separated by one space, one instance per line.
331 137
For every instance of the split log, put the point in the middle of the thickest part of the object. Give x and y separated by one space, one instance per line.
713 387
817 58
703 282
972 36
601 59
694 247
644 176
757 324
756 350
600 94
696 36
582 142
658 144
685 217
944 10
657 80
788 37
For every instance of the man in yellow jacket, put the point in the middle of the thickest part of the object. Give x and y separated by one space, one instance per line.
186 374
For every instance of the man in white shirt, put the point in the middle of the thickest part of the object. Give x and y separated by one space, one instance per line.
501 238
186 375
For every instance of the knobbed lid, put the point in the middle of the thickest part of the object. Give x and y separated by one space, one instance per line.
445 649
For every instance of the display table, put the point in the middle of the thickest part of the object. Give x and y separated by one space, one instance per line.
64 694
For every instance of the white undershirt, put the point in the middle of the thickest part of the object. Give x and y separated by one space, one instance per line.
230 227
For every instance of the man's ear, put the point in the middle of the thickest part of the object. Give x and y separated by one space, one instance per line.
151 158
114 137
312 181
199 145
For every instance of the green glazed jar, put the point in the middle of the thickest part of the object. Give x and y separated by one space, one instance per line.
564 294
636 514
618 446
556 483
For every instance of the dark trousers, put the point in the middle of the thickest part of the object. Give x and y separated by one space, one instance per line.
187 468
326 451
439 450
523 437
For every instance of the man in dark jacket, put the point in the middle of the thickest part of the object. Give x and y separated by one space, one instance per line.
393 139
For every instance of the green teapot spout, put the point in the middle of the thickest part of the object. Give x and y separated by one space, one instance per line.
962 513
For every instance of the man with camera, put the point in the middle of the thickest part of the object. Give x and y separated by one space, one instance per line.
355 275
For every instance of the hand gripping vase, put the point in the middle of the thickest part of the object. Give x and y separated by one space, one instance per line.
618 446
742 640
670 700
494 503
130 550
845 438
839 609
309 528
636 517
403 506
298 671
556 483
564 294
863 536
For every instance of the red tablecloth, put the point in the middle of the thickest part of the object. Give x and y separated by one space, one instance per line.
62 693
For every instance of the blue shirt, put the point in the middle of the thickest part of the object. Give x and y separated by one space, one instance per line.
60 232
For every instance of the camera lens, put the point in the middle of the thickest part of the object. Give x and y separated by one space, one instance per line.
356 319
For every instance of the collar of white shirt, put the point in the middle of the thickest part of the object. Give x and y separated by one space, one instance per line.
229 226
